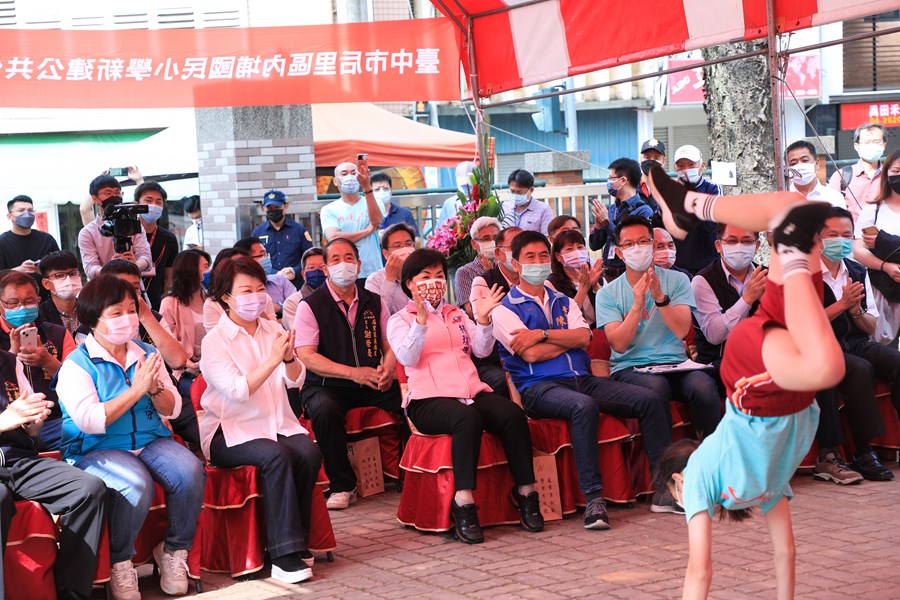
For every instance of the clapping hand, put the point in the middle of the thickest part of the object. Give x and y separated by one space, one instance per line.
600 212
146 374
640 291
25 411
853 294
421 309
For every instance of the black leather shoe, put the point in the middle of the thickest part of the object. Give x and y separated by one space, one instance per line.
871 468
529 510
466 526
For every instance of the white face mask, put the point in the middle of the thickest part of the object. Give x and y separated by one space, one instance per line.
198 221
403 252
343 274
664 258
121 329
690 175
802 173
870 153
638 258
738 256
383 196
486 249
68 288
349 184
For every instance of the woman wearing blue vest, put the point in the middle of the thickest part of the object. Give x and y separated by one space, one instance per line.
115 394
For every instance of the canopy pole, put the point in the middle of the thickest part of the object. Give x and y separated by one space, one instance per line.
476 99
775 86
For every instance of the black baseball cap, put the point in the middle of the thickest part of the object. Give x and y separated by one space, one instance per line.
653 144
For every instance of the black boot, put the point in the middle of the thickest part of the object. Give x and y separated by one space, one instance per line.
529 510
466 526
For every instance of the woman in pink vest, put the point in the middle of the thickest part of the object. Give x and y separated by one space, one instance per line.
434 341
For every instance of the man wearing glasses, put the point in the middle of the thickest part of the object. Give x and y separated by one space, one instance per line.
19 302
23 246
483 234
860 183
647 315
397 243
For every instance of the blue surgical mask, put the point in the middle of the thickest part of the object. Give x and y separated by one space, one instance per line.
837 248
536 274
266 264
520 199
205 281
314 278
154 212
21 316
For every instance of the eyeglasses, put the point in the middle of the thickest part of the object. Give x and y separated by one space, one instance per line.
643 243
60 275
13 304
484 240
732 242
408 244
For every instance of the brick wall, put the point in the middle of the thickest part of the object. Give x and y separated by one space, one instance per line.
238 173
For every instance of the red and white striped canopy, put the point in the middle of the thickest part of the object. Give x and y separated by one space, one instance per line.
526 42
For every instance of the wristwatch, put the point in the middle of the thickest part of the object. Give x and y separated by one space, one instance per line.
665 301
545 335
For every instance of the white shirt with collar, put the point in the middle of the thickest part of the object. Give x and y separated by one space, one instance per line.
228 355
81 398
823 193
843 278
715 323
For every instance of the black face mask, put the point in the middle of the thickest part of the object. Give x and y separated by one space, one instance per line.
894 182
275 215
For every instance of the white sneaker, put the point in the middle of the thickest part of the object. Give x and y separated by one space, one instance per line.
123 583
341 500
172 570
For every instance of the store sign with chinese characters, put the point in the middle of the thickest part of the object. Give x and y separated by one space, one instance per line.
803 77
356 62
885 113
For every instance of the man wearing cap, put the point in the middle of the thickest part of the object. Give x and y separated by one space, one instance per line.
284 239
698 249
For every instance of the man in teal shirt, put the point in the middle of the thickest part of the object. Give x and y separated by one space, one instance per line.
647 315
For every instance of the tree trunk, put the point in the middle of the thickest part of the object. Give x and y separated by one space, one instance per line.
738 108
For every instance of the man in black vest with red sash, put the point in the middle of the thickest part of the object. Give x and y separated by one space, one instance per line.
853 321
19 301
342 340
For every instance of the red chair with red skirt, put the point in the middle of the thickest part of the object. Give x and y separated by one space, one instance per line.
428 485
231 535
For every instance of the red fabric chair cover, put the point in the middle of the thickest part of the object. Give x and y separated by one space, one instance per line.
428 487
891 438
365 422
30 554
599 348
232 525
154 531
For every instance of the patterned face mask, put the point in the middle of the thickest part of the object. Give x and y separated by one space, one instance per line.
432 290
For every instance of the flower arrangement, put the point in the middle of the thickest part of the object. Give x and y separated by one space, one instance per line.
452 239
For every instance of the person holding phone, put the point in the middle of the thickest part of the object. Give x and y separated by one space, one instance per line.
352 219
38 344
877 247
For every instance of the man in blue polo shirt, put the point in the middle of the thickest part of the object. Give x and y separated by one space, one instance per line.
285 240
381 188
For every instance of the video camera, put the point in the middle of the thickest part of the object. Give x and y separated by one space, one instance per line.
121 223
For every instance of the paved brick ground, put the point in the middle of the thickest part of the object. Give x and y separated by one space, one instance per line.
846 540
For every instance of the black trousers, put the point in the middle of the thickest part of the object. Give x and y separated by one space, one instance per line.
885 361
327 409
489 412
289 467
494 376
185 424
858 389
80 501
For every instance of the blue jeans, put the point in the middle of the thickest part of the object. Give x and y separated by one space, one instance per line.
580 400
130 481
696 388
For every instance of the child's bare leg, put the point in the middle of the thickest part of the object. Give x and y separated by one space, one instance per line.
683 209
778 522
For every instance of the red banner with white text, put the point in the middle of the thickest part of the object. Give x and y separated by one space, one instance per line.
386 61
